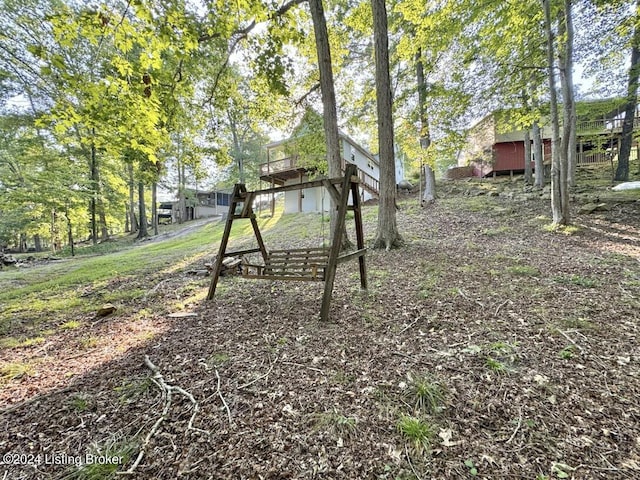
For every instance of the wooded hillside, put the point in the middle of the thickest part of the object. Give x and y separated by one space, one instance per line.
104 105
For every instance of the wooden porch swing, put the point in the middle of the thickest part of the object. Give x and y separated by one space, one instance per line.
298 264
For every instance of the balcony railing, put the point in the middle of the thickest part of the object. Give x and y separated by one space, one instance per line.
588 158
291 163
602 126
585 158
277 166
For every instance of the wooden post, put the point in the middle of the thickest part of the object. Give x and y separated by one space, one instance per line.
580 153
256 231
225 240
300 193
357 214
273 200
330 272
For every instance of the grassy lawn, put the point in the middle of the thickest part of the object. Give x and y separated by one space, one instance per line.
37 300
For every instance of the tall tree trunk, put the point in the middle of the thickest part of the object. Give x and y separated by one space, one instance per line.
538 155
182 200
572 148
104 230
387 235
429 195
154 207
330 114
55 240
622 171
132 205
558 165
98 216
70 232
22 243
94 193
143 231
565 61
37 241
528 174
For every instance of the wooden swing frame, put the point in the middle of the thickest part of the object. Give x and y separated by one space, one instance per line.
311 264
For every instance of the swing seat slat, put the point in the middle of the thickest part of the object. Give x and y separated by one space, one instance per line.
308 264
295 255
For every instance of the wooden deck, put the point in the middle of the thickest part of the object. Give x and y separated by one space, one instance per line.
279 171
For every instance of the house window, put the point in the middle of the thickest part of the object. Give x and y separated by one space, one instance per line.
222 199
353 158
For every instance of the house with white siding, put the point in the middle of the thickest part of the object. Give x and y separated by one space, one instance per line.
285 168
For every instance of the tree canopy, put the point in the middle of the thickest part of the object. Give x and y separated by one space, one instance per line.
95 98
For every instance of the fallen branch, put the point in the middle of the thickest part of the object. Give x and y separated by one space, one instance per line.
259 378
467 297
226 407
29 401
154 289
167 392
611 467
406 451
81 354
499 307
408 326
571 340
313 369
517 427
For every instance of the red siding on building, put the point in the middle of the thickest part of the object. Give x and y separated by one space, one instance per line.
547 151
508 156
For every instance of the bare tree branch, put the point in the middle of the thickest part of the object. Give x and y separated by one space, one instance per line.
238 35
313 89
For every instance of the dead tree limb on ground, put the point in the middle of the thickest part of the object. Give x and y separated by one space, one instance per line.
167 393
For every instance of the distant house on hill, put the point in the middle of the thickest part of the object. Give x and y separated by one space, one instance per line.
494 148
197 204
302 156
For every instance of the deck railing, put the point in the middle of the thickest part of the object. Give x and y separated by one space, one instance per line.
291 163
602 125
277 166
369 182
590 158
585 158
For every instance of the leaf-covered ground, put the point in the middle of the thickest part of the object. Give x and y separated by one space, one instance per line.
488 347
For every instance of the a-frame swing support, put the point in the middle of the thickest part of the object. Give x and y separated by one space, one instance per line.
305 265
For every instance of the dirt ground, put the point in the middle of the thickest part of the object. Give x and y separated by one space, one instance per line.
528 338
